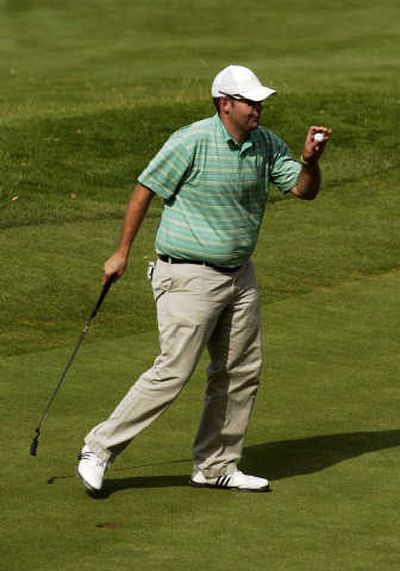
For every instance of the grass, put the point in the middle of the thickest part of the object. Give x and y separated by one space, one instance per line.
88 93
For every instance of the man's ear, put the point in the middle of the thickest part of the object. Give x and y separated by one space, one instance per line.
225 104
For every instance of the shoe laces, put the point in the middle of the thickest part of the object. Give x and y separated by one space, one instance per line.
88 455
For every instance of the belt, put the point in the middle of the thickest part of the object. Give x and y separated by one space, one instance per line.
171 260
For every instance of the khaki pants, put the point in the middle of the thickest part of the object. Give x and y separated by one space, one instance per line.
197 307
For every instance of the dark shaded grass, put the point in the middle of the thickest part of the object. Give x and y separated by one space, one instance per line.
64 170
83 167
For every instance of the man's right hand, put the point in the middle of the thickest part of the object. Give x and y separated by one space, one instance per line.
114 267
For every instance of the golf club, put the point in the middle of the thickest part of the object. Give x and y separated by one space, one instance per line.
35 441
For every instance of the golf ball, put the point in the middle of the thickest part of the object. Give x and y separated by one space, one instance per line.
319 137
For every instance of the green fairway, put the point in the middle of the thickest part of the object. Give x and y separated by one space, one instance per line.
89 91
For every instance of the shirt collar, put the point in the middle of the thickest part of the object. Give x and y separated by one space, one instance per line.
227 137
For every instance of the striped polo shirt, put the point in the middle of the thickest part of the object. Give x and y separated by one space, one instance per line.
215 191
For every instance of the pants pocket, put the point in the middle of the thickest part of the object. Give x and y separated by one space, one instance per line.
161 282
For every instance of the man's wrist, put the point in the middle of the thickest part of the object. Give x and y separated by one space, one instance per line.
308 163
123 250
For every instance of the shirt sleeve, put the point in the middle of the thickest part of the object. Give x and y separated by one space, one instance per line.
166 171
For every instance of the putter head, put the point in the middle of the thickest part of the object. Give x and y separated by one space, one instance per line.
35 443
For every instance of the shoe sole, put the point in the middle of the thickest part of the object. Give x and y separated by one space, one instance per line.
264 489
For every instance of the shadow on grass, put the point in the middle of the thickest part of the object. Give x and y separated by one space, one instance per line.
113 485
278 460
289 458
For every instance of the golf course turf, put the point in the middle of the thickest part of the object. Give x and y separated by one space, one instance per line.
89 91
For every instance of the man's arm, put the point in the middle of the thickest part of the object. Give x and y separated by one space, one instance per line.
137 207
308 183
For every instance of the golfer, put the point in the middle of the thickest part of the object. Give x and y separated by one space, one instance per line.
213 177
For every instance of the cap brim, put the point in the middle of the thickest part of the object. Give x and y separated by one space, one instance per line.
257 93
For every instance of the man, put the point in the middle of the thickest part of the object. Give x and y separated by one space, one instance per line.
213 177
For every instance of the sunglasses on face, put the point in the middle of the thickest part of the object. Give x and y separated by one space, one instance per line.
238 97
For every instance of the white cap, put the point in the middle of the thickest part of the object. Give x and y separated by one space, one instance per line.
239 81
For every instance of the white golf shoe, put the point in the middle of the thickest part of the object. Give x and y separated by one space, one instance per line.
236 481
91 469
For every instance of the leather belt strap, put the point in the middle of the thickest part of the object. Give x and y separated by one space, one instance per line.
171 260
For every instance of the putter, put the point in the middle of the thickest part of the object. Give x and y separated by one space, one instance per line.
104 291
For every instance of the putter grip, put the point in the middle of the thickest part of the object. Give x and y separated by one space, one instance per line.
103 294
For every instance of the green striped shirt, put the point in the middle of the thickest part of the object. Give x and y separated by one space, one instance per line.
215 191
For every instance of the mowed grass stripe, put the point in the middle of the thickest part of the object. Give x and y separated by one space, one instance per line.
336 387
348 233
83 167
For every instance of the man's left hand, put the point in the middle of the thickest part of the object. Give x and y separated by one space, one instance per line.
313 149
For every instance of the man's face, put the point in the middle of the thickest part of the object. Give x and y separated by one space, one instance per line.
242 114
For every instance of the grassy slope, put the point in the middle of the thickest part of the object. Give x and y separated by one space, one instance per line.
87 95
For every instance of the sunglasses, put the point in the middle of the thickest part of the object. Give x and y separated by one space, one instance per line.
238 97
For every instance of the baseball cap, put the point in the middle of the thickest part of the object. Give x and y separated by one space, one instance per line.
239 81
